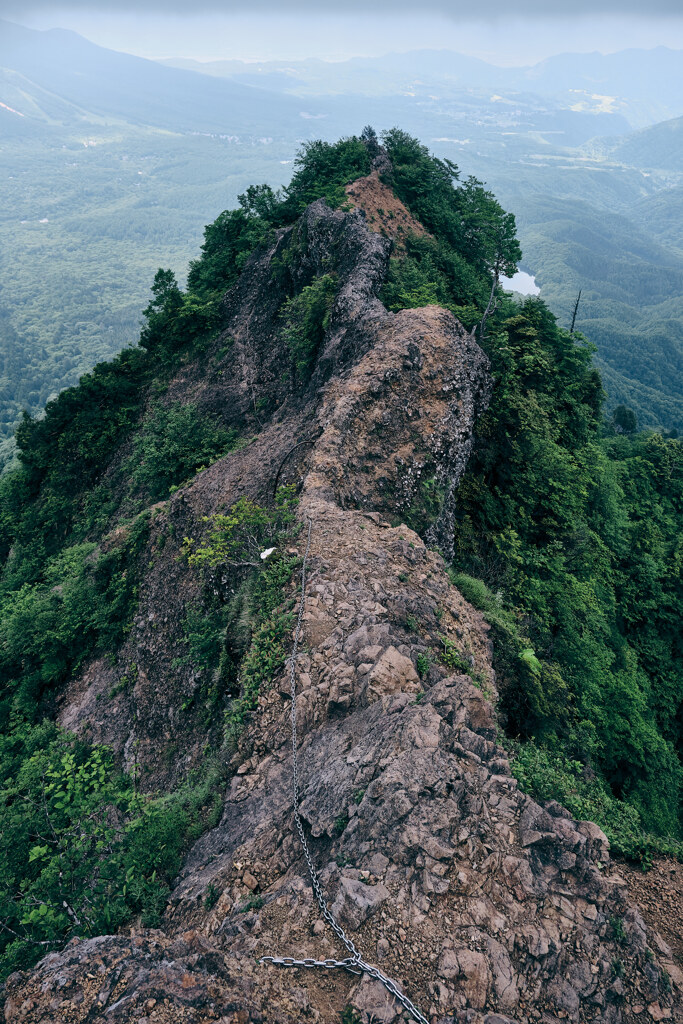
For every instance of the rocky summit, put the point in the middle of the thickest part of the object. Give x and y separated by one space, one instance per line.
481 904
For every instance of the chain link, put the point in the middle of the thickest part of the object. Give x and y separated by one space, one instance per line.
353 963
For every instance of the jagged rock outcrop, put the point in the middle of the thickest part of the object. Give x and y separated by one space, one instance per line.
391 404
485 906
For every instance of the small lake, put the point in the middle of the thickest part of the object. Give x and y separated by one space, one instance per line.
522 282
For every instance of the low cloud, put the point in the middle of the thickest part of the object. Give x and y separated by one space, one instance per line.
457 9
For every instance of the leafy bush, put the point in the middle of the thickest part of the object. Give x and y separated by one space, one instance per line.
228 242
451 657
236 540
203 635
532 692
82 605
238 536
306 317
175 320
423 664
80 849
321 171
431 273
426 504
551 775
263 661
211 896
172 444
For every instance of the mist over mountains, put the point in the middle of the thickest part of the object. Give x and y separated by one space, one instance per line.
67 79
642 86
112 163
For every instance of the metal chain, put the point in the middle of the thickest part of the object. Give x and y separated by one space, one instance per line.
353 963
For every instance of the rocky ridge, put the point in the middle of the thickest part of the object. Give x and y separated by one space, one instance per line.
486 907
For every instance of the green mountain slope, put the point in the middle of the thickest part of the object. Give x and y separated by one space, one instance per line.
659 147
629 291
662 215
91 82
567 537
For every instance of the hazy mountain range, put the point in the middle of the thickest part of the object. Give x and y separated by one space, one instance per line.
641 85
112 164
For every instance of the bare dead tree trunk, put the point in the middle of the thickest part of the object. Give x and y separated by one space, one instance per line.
576 310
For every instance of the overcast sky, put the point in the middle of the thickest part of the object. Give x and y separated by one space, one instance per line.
518 33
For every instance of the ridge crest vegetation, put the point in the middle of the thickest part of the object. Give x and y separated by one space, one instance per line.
567 537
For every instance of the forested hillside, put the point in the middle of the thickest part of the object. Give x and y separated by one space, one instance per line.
630 284
550 520
81 243
567 536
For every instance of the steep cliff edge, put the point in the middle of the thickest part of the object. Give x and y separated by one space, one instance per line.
484 906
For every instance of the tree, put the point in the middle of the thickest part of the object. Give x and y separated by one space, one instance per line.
576 310
369 139
159 314
624 420
503 252
259 201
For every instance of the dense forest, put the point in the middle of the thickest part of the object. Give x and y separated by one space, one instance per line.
80 245
568 538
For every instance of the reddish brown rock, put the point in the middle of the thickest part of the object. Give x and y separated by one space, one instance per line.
485 907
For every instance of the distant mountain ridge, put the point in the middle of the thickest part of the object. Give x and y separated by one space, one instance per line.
659 146
644 86
89 79
109 159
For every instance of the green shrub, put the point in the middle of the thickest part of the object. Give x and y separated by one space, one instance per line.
423 664
306 318
551 775
350 1016
172 444
264 661
80 849
533 693
253 903
451 657
321 170
426 505
340 824
211 896
205 638
83 605
428 273
238 536
235 539
228 242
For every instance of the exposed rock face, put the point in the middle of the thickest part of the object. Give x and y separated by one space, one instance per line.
398 426
485 906
390 408
383 210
